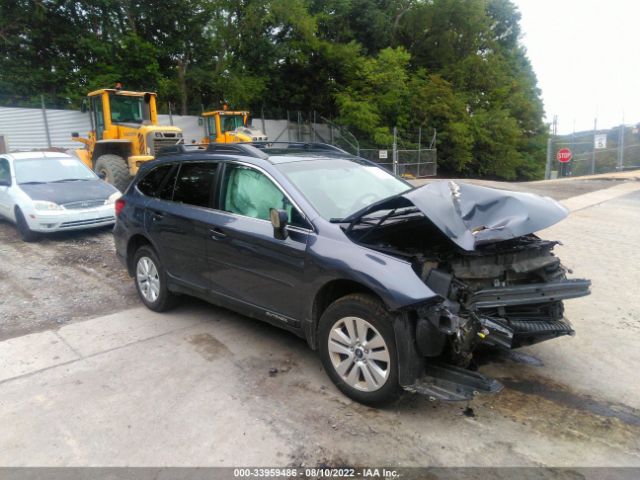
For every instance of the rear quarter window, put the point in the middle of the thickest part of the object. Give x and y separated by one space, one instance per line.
195 183
158 182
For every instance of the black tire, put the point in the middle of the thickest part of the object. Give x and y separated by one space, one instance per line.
115 170
25 232
373 312
165 299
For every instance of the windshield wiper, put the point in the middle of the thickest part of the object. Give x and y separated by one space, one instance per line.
396 212
31 183
70 180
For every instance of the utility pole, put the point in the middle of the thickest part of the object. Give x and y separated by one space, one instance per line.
547 170
554 128
394 151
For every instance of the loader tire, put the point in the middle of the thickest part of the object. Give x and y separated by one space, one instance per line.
115 170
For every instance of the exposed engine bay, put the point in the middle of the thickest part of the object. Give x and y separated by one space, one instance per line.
495 287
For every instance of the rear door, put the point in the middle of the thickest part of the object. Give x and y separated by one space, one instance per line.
178 222
246 261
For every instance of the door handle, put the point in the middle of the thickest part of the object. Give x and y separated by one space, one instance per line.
216 234
157 216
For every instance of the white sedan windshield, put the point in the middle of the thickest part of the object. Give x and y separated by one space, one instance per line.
338 187
47 170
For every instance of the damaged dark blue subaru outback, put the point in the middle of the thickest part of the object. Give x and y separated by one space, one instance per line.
395 286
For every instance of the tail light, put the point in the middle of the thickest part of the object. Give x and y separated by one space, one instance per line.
120 203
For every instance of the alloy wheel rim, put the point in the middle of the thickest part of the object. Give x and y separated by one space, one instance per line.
359 354
148 279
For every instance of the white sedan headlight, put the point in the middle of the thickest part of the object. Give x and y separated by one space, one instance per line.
42 205
112 198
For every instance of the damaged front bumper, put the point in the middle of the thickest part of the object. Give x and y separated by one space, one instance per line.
506 317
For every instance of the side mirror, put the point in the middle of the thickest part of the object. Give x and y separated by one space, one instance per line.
75 134
84 105
279 220
200 121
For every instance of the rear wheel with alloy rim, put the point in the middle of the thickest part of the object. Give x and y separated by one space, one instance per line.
151 280
357 348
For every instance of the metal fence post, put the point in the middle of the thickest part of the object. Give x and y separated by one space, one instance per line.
621 147
593 154
46 123
264 127
170 114
547 170
394 154
288 127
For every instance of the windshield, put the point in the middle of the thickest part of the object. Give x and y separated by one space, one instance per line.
47 170
231 122
338 187
128 109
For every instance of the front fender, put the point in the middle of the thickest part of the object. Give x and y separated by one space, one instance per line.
391 278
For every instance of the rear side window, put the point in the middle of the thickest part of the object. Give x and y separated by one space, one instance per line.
158 182
195 183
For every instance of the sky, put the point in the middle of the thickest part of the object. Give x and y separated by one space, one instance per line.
586 55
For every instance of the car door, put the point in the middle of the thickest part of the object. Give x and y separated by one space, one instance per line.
178 222
5 186
246 261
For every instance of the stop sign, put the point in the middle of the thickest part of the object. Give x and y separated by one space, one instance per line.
564 155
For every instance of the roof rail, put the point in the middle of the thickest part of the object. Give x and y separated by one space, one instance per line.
304 146
244 149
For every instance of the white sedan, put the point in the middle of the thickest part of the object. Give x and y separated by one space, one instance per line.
45 192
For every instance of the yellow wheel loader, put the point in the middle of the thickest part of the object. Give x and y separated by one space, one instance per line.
124 134
223 126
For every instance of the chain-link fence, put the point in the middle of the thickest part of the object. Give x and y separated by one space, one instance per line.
28 123
408 156
593 152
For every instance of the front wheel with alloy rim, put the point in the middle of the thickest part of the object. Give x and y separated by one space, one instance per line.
25 232
151 280
358 350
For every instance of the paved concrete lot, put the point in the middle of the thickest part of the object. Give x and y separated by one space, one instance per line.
193 387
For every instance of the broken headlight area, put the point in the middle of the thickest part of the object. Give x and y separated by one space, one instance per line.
505 295
475 248
508 294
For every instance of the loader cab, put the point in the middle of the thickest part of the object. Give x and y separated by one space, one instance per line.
218 122
111 108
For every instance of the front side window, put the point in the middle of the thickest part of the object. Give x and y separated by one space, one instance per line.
210 122
51 170
5 173
251 193
195 183
99 115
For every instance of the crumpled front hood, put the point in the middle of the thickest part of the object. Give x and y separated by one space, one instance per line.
471 215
